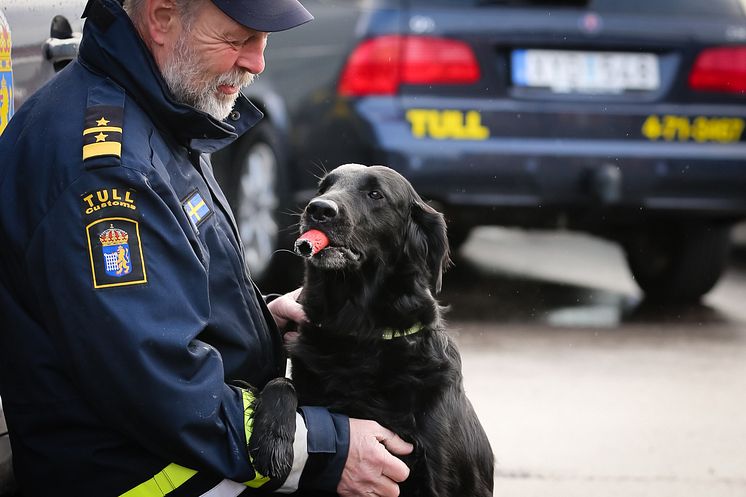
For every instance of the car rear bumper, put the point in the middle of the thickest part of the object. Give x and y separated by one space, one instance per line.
624 178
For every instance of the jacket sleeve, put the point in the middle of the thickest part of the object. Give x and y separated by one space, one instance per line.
328 446
131 340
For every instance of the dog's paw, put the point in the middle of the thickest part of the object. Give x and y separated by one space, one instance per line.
271 444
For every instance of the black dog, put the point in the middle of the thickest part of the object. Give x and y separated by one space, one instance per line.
375 346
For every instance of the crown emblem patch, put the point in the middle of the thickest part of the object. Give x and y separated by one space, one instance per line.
6 74
116 252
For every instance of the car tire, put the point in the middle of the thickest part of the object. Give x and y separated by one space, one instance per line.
457 236
259 194
678 265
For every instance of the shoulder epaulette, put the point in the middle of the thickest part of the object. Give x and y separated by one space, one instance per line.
102 130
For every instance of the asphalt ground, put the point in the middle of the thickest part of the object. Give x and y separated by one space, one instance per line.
586 390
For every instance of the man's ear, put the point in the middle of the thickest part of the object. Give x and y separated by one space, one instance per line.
427 241
162 22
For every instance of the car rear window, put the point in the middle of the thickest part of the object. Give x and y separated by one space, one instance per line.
708 8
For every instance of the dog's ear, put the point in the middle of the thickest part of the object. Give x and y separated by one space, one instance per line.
427 241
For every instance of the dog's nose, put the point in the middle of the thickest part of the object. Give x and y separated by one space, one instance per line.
322 210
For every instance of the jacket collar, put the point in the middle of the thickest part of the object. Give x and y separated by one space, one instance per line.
112 47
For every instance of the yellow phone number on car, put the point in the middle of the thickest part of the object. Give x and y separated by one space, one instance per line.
699 129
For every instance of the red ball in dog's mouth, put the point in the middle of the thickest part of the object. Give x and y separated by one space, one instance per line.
310 243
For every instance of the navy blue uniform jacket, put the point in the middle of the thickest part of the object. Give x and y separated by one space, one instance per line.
127 312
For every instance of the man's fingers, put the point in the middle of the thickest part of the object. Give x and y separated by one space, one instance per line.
395 444
386 487
371 468
296 293
395 469
286 309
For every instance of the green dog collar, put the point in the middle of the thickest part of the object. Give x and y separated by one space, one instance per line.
390 333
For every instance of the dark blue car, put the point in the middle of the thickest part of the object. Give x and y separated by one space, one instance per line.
624 119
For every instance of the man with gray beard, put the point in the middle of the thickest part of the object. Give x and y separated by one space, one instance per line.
136 354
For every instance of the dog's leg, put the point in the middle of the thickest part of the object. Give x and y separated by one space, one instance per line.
271 444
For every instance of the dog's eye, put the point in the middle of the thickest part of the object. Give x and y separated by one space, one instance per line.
375 195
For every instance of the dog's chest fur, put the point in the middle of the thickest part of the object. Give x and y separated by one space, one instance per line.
395 382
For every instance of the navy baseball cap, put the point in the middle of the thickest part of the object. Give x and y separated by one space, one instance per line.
265 15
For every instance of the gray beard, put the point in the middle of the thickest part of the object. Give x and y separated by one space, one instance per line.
184 75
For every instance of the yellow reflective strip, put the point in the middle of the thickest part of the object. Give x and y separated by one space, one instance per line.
146 489
113 129
102 148
169 478
177 475
248 414
258 481
248 426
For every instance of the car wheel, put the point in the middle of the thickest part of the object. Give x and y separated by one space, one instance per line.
457 236
259 195
678 265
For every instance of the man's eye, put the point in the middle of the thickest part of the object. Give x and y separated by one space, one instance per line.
375 195
239 43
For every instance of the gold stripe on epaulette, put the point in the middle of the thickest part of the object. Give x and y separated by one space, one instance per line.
101 149
102 128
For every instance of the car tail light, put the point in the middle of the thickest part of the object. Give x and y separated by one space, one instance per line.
378 66
720 69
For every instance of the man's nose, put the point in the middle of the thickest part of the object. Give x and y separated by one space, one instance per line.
251 58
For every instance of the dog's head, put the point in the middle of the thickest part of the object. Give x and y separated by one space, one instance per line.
372 215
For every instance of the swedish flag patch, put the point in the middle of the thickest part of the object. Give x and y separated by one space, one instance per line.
196 209
102 134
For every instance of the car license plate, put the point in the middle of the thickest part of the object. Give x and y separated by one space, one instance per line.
565 71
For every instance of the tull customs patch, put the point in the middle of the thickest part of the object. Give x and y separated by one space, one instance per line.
115 252
104 198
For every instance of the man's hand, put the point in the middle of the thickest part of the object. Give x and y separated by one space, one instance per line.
371 469
287 311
